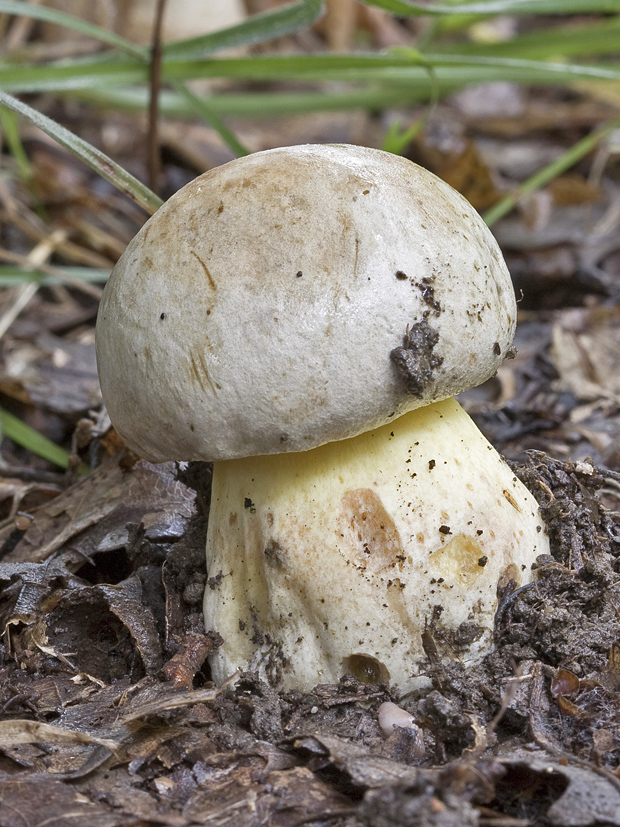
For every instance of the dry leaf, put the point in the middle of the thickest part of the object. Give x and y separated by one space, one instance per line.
585 351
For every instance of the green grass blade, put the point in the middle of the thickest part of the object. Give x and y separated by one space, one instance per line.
603 71
403 7
205 111
12 275
551 171
259 105
77 73
600 38
10 131
95 159
375 68
398 139
68 21
27 437
385 68
395 91
256 29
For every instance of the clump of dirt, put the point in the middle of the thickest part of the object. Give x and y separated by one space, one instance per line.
415 360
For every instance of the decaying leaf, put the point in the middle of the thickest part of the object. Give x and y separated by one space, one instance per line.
40 801
585 351
149 495
66 380
365 769
583 796
445 149
167 700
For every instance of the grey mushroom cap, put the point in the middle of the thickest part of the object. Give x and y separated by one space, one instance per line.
296 297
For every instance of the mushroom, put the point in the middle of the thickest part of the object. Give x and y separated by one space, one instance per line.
392 718
302 317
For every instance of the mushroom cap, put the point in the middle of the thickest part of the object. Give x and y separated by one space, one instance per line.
296 297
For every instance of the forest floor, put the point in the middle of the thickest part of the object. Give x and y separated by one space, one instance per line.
107 713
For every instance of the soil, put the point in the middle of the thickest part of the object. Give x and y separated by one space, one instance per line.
129 730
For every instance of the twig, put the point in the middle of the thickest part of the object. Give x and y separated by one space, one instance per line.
33 475
609 474
24 294
33 227
325 815
175 700
153 138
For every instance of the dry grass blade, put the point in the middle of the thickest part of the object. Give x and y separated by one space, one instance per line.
33 732
37 257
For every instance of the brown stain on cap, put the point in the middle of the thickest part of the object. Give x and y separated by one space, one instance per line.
207 272
199 372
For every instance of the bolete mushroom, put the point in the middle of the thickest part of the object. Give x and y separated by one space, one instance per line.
302 317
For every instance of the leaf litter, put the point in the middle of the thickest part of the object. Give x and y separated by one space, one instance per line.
108 713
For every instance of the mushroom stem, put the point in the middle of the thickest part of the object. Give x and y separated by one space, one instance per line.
336 560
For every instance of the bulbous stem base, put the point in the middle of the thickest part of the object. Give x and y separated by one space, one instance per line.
338 560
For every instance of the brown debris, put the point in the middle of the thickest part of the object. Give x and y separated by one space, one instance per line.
41 800
446 150
181 669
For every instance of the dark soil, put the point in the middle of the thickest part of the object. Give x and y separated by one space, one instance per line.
128 730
